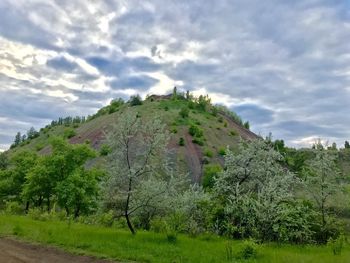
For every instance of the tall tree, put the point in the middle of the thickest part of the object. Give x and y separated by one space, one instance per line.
347 145
321 176
137 148
18 139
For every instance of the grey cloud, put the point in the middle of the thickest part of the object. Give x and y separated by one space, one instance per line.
282 60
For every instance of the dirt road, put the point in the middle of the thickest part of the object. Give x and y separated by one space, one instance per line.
12 251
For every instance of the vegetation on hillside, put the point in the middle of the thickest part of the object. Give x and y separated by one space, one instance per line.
262 191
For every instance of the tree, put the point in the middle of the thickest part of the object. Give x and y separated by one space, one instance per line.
347 145
32 133
246 125
204 102
18 139
137 148
321 174
135 100
51 170
78 192
252 189
14 178
174 95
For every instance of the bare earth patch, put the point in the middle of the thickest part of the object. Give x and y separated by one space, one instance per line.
13 251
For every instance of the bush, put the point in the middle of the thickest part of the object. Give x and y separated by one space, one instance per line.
337 244
13 208
69 133
35 213
135 100
171 237
249 250
233 133
208 153
105 150
198 141
166 108
209 173
106 219
181 141
158 225
195 131
184 112
222 151
174 130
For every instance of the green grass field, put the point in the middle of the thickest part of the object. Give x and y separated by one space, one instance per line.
120 245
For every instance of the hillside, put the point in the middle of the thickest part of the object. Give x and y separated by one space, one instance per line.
218 128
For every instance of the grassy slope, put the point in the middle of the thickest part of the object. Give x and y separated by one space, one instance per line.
217 134
151 247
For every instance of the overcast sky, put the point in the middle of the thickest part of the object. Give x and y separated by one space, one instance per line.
282 65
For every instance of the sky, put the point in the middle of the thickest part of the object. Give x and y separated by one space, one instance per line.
282 65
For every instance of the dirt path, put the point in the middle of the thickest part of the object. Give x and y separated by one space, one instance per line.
13 251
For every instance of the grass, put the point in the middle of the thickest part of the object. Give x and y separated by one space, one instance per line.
120 245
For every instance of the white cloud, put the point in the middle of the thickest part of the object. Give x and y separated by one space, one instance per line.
288 59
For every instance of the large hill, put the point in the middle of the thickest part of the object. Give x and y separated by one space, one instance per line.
199 136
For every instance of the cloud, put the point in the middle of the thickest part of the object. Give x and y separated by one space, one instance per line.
282 65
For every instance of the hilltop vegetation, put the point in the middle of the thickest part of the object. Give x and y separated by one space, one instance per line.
178 165
197 128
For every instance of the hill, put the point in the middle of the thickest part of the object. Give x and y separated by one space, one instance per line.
200 132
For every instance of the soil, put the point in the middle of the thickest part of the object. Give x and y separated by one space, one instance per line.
13 251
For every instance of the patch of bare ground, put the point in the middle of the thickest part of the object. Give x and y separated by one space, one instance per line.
13 251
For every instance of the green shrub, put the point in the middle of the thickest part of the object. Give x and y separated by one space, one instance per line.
220 119
249 250
171 237
195 131
181 141
135 100
209 173
105 150
208 153
35 213
174 130
87 141
184 112
69 133
106 219
336 244
205 160
198 141
13 208
225 124
233 133
158 225
222 151
166 108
